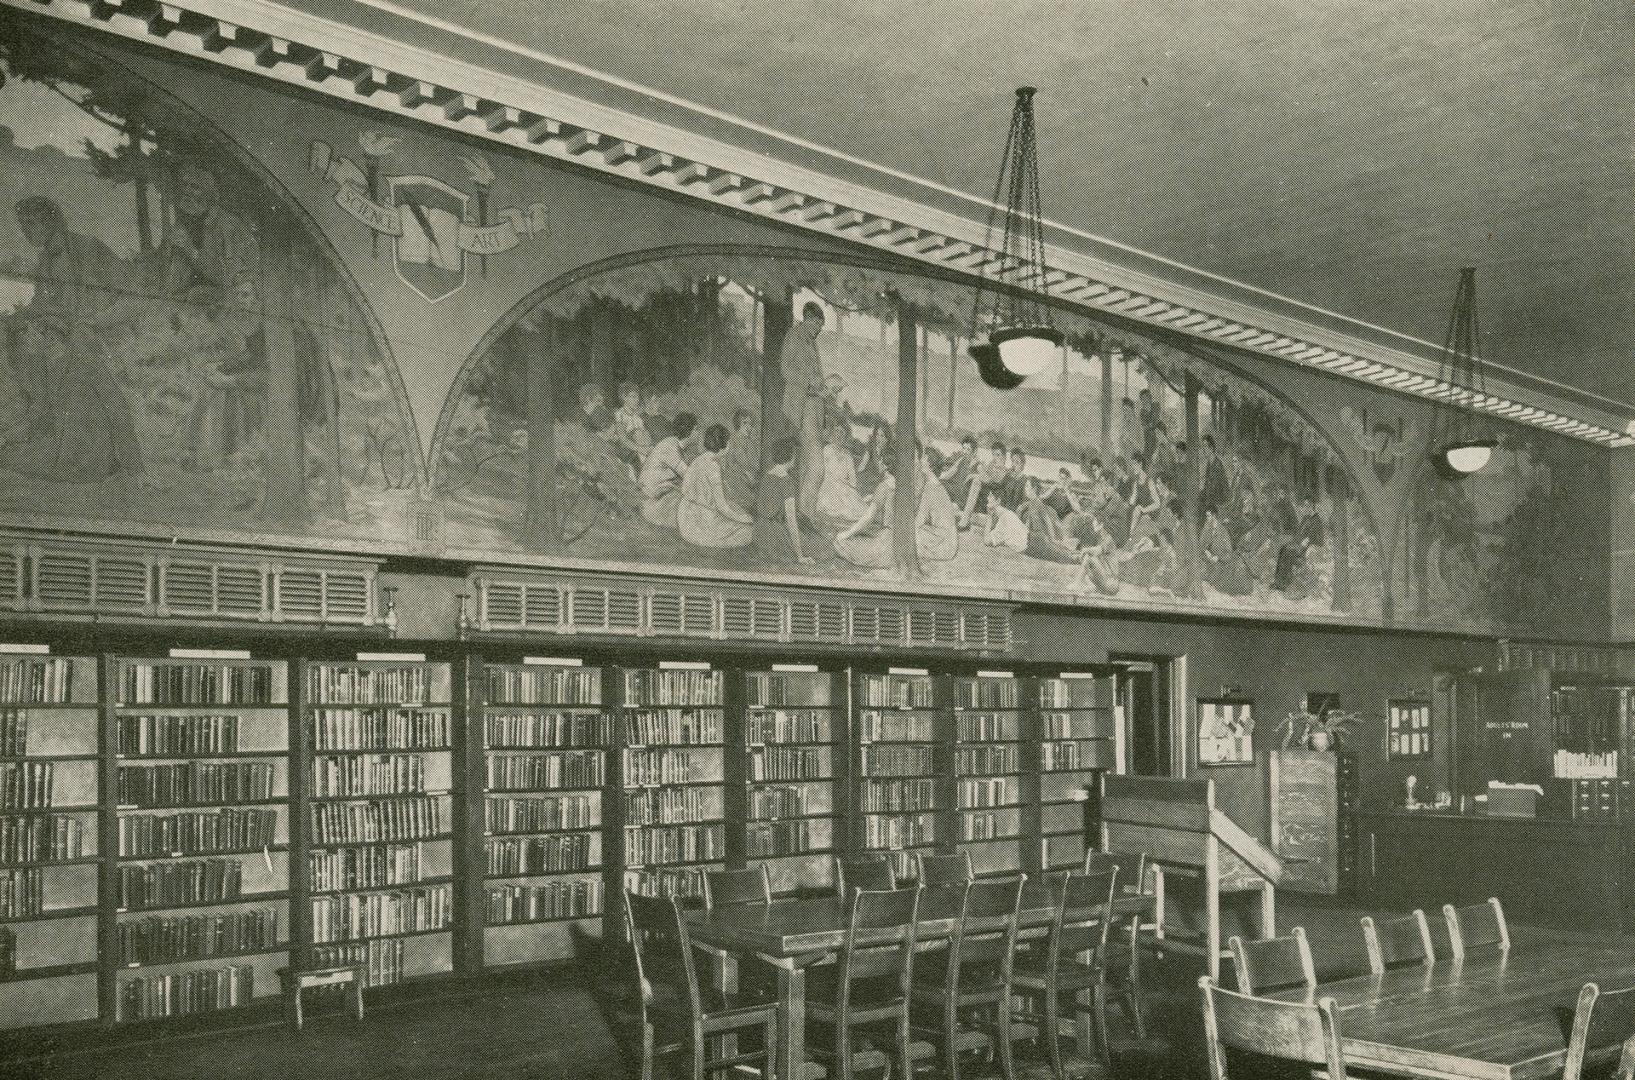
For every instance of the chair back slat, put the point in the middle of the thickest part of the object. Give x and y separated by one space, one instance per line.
662 949
891 915
986 933
1603 1019
1131 866
1476 926
1273 963
724 888
1294 1031
872 873
945 869
1397 942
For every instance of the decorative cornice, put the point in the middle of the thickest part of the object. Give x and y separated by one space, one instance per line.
385 72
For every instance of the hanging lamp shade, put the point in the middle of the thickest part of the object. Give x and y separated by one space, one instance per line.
1461 442
1012 336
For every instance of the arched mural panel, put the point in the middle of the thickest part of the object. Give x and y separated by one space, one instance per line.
738 410
180 345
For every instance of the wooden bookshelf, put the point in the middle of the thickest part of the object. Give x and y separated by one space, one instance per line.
378 744
544 734
1079 736
794 735
993 769
198 770
904 775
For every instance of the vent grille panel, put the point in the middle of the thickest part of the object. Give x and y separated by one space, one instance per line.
63 580
121 583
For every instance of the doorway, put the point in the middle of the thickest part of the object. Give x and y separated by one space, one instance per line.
1146 693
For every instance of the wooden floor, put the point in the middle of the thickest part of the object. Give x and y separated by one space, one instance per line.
520 1027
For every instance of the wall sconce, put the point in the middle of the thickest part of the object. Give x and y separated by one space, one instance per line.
388 614
462 621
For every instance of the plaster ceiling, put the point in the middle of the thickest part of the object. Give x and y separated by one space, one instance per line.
1345 155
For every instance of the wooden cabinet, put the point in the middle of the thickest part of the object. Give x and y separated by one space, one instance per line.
1304 806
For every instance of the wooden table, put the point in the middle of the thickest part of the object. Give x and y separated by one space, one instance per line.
1494 1016
791 935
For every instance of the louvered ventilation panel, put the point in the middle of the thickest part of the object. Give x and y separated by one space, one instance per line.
123 583
615 610
11 578
502 605
301 595
542 607
64 580
752 618
234 590
818 620
347 596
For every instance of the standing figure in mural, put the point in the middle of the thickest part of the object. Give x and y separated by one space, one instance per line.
85 433
704 516
228 410
1216 493
777 510
741 463
76 277
805 394
1149 423
631 440
1131 439
664 470
208 249
838 499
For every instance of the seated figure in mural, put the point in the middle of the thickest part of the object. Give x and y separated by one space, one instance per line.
76 277
705 517
778 536
1005 529
631 440
1224 568
838 500
985 484
868 541
209 248
593 411
82 431
741 463
1153 564
1046 538
1062 496
879 455
1297 574
936 519
663 471
1099 557
1157 514
959 468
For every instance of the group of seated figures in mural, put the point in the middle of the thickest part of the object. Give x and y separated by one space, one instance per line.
823 490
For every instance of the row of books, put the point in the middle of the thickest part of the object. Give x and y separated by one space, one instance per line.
41 838
367 822
539 772
686 882
230 829
1067 693
37 680
146 735
895 727
192 782
979 792
190 881
648 687
576 899
161 939
673 806
772 839
22 893
163 682
772 803
894 832
895 691
381 961
380 729
674 843
791 763
544 685
987 693
685 727
182 993
343 684
989 727
368 774
25 785
654 768
514 855
546 729
894 795
370 867
1071 756
1069 726
987 825
779 688
788 726
521 815
402 911
986 760
13 732
897 760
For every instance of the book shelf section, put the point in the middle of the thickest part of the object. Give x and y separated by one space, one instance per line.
794 739
379 838
901 733
671 732
50 745
201 791
992 770
545 738
1079 736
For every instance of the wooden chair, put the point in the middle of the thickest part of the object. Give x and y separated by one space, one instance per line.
1071 961
1273 963
675 1014
868 988
1398 942
1603 1028
1122 966
872 872
944 869
1293 1031
1475 927
968 985
723 888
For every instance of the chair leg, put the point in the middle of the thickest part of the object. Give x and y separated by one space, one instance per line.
1053 1033
1132 988
1098 1013
950 1030
698 1052
843 1048
647 1052
1007 1063
769 1047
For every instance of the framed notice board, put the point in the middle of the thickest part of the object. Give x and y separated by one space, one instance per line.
1225 729
1407 729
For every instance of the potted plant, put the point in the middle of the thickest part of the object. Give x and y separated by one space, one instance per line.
1317 731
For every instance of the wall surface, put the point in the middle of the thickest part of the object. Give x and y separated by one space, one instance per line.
241 313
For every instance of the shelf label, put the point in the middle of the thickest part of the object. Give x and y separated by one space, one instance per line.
907 671
996 674
683 665
553 661
19 647
210 654
392 657
810 668
1077 675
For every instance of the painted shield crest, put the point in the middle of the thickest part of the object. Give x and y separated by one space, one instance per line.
427 249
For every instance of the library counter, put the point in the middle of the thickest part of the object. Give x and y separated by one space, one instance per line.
1550 872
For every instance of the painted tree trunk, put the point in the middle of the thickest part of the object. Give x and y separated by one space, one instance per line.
285 497
953 378
1340 489
779 317
906 467
1191 483
1106 404
539 352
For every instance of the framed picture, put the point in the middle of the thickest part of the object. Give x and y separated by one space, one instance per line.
1226 729
1407 729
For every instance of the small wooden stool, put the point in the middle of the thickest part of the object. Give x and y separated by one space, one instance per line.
295 981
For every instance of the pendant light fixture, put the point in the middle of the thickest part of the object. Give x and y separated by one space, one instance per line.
1011 333
1461 441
